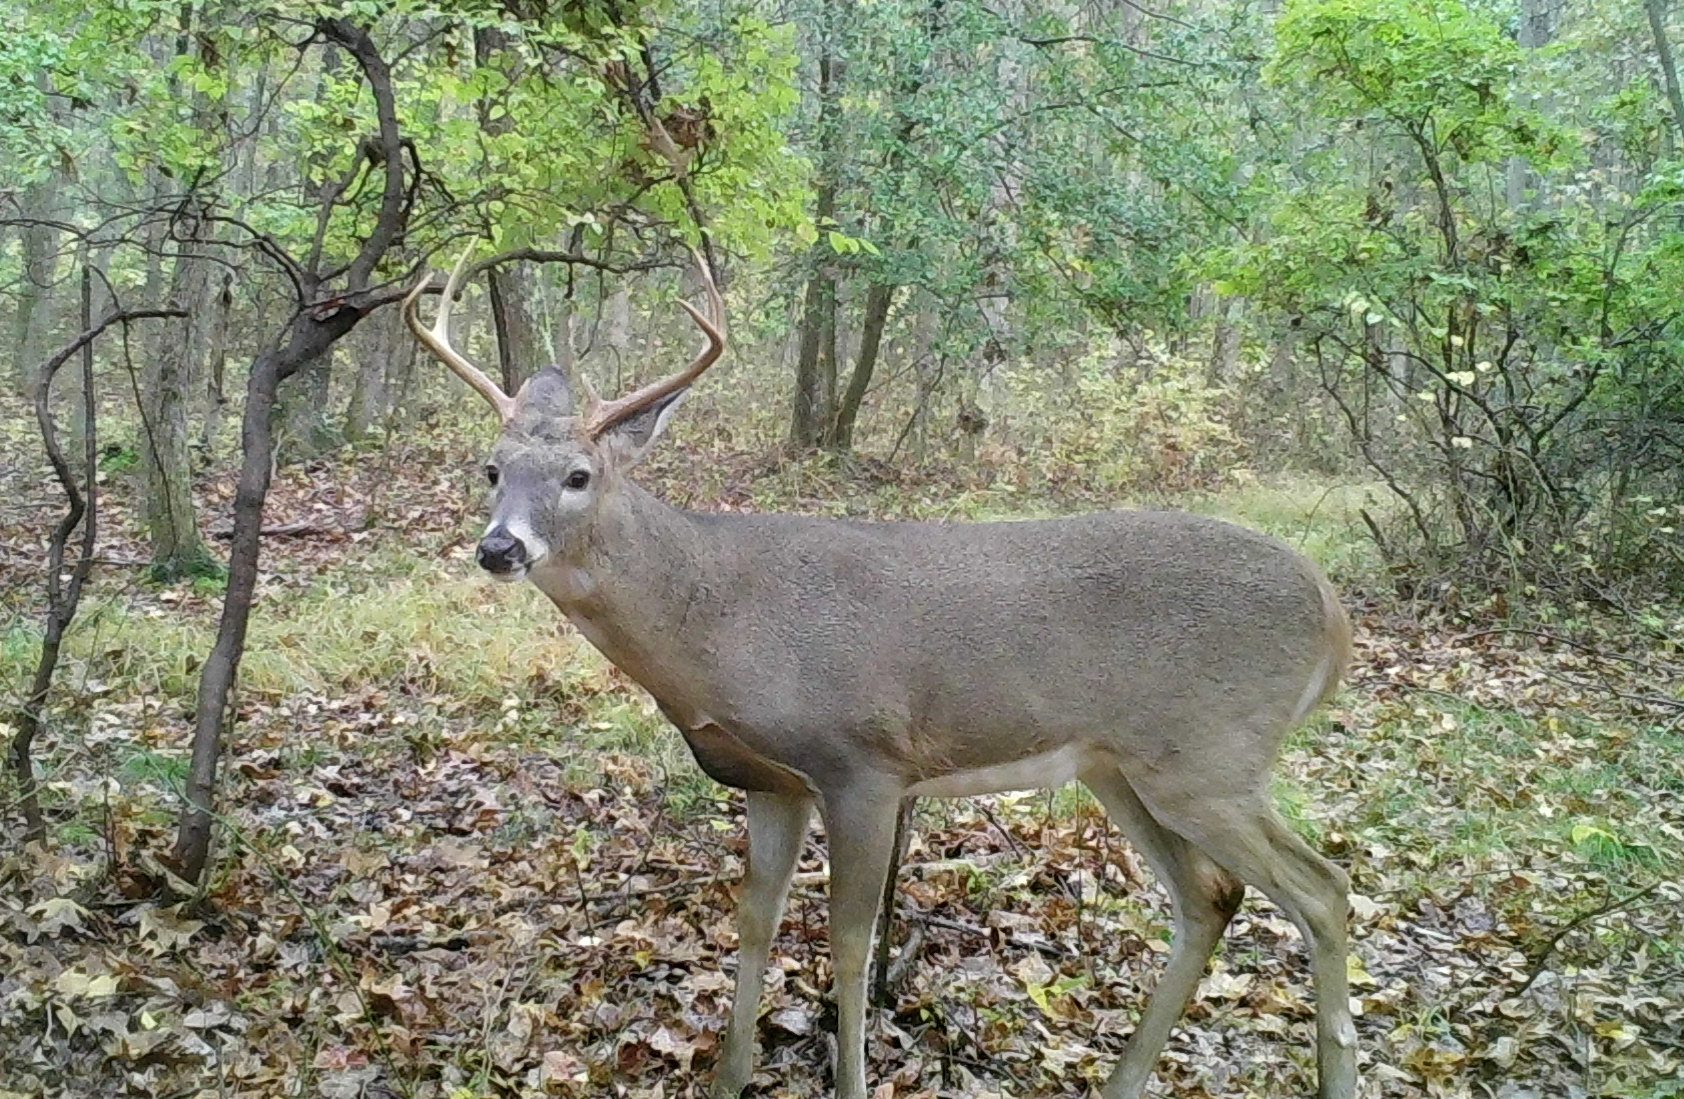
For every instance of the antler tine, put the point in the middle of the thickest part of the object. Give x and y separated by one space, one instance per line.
437 338
602 415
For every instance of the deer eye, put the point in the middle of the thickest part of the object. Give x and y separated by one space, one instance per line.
491 475
579 478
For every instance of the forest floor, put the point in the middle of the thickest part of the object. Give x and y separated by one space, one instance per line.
462 857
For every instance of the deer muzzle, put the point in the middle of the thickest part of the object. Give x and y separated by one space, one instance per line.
502 554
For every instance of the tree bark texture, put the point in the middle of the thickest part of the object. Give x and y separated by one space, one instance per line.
520 344
215 327
29 322
878 301
166 470
1656 10
815 372
307 341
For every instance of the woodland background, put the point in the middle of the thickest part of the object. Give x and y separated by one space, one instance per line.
297 805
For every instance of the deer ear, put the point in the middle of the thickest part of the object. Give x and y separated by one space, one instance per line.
632 438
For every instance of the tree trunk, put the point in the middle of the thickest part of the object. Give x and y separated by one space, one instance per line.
1534 31
1225 342
618 339
307 341
400 382
880 296
307 423
814 361
216 358
815 396
377 343
166 473
83 512
1656 10
520 345
309 335
307 427
877 303
29 323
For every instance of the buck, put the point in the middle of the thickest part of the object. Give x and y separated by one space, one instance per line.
1160 658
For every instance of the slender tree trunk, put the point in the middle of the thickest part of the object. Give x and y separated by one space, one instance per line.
814 397
377 342
1656 10
812 393
307 427
310 334
618 339
880 296
878 300
29 323
1534 31
307 341
400 382
520 348
520 345
83 511
1225 341
167 477
221 302
307 420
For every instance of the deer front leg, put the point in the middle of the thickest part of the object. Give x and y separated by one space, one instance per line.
777 827
861 830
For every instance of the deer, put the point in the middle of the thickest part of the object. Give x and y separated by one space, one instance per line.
1158 657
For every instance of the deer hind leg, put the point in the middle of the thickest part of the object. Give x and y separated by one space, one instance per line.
1244 834
860 828
1205 898
777 828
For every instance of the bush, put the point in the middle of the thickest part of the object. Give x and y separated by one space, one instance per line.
1126 428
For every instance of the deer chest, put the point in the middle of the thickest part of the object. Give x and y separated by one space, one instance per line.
730 762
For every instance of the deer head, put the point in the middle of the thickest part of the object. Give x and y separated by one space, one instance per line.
556 463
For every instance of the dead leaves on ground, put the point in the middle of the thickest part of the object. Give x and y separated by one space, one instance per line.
416 899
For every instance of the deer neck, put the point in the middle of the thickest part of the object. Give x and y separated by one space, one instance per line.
640 590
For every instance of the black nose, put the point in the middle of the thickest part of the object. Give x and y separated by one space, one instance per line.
501 551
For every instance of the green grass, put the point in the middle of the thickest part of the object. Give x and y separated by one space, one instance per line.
1455 781
144 765
460 649
1320 520
413 626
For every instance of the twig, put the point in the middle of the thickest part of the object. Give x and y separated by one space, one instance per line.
82 510
584 898
1544 635
283 530
1577 922
896 973
1050 949
881 990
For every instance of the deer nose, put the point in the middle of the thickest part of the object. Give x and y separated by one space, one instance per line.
501 552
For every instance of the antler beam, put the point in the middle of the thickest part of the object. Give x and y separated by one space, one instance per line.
601 415
437 338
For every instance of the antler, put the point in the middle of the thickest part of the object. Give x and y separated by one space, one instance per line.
437 338
601 415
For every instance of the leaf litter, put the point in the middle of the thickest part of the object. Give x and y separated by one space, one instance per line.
428 895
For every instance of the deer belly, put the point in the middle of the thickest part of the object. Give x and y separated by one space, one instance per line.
1037 772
